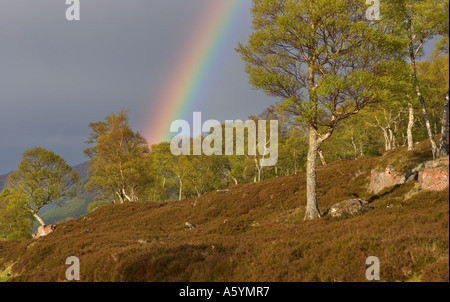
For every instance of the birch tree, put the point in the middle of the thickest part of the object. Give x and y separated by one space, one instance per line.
442 12
418 22
318 57
434 78
116 160
41 177
15 220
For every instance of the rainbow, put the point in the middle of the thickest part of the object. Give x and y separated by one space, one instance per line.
189 76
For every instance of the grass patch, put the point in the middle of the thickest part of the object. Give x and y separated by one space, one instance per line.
7 273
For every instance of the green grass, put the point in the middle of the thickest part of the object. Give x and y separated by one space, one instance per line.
6 273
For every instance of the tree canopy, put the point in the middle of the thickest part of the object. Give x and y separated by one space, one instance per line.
116 159
42 176
320 58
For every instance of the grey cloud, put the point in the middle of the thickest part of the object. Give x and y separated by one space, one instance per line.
57 76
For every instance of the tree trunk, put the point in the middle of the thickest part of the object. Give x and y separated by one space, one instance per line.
124 194
259 169
41 221
443 146
392 138
312 207
395 134
295 163
409 130
121 199
196 189
412 56
322 158
434 147
387 140
355 149
181 188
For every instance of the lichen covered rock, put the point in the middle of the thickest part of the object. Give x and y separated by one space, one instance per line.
432 176
435 175
351 206
381 180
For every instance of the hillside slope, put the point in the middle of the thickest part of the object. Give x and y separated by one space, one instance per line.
254 232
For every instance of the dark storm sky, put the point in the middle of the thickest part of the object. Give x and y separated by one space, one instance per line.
57 76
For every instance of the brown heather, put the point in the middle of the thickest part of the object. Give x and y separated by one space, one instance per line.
254 232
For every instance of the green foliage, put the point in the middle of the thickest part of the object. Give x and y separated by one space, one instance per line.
325 62
15 221
433 75
117 167
322 58
440 15
318 56
77 189
353 139
6 274
42 177
293 150
185 176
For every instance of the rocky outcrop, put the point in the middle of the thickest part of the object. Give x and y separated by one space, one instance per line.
431 176
351 207
435 175
44 230
380 180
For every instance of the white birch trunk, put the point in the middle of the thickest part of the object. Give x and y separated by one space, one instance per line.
41 221
409 130
312 207
443 146
322 158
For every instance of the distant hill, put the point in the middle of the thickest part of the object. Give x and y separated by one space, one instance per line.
255 232
81 169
